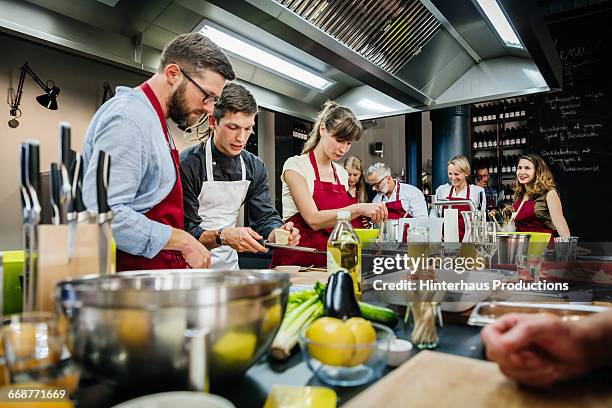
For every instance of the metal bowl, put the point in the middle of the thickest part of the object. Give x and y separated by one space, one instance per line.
135 329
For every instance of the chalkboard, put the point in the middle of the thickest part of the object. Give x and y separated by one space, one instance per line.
571 129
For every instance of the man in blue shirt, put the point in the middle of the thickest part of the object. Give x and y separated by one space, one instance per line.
145 191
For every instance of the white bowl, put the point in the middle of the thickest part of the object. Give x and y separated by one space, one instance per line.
399 351
288 268
176 399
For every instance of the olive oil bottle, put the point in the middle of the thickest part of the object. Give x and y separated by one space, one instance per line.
344 250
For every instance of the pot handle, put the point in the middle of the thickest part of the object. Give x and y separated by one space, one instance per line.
197 345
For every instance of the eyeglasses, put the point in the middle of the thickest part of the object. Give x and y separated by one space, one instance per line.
377 185
207 97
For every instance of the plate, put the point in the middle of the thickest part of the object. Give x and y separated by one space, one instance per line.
175 399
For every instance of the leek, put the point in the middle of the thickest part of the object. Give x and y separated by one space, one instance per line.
293 323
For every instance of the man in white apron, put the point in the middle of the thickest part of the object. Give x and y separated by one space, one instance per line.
218 176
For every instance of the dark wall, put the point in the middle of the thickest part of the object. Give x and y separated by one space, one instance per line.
286 145
571 129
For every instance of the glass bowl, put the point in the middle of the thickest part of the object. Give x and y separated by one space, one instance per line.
367 234
366 361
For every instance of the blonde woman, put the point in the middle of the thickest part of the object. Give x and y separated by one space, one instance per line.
459 188
357 187
315 188
537 203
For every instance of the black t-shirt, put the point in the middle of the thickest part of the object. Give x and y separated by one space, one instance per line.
262 216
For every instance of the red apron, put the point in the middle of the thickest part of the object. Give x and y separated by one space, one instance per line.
327 196
526 219
460 208
396 209
169 211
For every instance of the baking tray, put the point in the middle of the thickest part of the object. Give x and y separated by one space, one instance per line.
486 312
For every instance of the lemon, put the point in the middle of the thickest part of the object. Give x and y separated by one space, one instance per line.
332 341
289 396
364 333
272 318
235 347
133 327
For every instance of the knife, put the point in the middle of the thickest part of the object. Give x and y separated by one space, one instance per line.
26 205
105 215
65 202
33 186
292 247
55 186
78 212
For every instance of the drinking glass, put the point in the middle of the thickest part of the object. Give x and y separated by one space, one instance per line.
33 344
418 242
529 266
486 244
565 248
424 332
389 231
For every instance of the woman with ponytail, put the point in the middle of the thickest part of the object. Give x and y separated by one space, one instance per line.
315 188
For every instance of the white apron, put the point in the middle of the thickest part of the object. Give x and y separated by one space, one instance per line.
220 203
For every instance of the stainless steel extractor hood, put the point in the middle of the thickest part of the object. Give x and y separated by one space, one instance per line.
413 54
384 57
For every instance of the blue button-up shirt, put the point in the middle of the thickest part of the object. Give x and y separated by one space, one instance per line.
141 172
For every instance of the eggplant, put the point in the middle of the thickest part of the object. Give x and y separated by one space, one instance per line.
339 300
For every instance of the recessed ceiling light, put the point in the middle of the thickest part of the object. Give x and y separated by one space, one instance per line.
264 59
373 106
499 21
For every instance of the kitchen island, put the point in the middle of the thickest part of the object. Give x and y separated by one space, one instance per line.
252 389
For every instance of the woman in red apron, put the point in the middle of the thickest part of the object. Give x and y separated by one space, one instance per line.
458 171
537 205
311 186
356 181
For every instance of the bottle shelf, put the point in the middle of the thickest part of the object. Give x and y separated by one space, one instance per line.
484 149
487 123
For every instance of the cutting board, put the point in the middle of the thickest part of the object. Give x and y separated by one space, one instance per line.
432 379
308 278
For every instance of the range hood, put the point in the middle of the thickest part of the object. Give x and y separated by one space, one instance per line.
413 55
384 57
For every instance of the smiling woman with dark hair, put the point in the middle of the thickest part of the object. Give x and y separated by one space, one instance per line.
536 200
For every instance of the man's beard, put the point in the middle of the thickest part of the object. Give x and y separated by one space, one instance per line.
177 111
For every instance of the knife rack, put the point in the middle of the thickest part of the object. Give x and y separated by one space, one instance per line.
54 265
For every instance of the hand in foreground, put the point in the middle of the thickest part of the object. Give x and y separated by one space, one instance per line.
294 236
539 349
242 239
196 255
377 212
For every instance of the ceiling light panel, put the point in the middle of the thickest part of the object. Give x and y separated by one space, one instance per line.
265 59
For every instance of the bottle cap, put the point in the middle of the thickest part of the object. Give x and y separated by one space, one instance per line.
344 215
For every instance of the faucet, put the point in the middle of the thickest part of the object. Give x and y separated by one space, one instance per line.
441 203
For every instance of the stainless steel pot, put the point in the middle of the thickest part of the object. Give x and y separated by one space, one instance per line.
137 329
511 246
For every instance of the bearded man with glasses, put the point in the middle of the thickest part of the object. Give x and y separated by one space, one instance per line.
145 191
